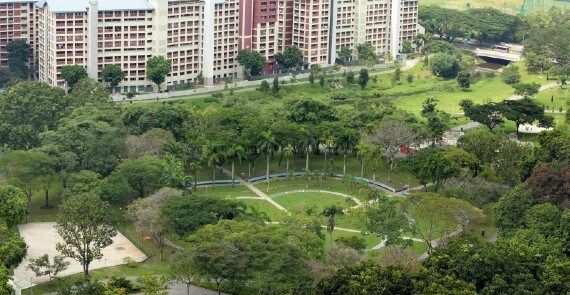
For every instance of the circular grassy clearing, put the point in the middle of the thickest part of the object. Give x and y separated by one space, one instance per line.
312 199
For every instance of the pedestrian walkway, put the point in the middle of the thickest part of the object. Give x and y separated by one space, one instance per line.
258 192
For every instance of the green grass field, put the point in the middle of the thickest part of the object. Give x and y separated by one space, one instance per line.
311 199
506 6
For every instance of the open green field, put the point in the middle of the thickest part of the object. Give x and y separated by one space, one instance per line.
274 214
506 6
312 200
355 189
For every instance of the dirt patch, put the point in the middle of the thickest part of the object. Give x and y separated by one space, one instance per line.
41 238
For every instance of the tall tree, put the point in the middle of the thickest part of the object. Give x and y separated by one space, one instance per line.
86 227
181 269
488 114
390 136
363 78
19 55
291 58
235 152
135 179
26 170
13 205
388 221
345 55
306 143
93 134
214 155
28 108
511 208
330 212
366 52
149 218
434 216
73 74
157 68
267 145
252 62
524 111
113 75
346 142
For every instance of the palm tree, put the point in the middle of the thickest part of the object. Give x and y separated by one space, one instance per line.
327 142
305 143
214 155
257 215
330 212
346 142
235 152
370 154
174 148
267 145
194 166
174 174
287 152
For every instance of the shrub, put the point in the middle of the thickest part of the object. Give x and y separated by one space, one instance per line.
354 242
123 284
444 65
340 95
511 75
350 77
464 79
211 99
130 262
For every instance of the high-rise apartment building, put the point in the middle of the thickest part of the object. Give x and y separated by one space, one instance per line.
201 37
17 21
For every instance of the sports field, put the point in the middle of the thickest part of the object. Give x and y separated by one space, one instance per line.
507 6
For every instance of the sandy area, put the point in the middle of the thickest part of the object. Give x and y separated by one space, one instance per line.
41 238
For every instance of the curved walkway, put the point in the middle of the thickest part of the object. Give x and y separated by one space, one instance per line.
354 199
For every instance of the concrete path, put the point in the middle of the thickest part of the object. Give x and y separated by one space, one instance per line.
258 192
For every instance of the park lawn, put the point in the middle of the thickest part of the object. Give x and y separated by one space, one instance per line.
371 240
319 201
353 167
350 221
274 214
224 191
554 99
300 183
507 6
36 213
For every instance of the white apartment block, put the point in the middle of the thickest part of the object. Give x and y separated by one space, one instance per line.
199 37
202 38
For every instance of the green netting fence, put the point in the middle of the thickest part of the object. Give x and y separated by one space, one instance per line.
523 7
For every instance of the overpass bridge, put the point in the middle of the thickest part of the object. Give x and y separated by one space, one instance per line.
510 56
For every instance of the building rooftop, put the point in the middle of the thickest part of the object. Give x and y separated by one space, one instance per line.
104 5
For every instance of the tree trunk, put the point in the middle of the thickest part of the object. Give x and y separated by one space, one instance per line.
287 169
267 171
46 190
233 162
325 163
86 268
362 168
344 163
213 176
307 162
188 289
